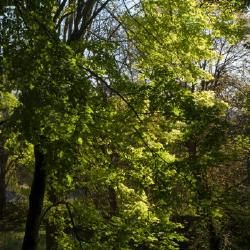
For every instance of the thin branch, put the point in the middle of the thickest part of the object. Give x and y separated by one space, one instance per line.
96 13
59 10
62 18
50 207
73 224
67 204
113 90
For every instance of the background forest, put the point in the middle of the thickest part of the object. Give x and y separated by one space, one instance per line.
124 125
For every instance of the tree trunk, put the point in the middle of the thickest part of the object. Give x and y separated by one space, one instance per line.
3 163
214 240
112 201
35 201
2 197
248 170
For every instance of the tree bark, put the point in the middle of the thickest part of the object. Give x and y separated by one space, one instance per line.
3 163
214 240
112 202
86 14
248 170
35 201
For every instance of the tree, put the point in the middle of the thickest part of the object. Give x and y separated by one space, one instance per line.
121 113
176 71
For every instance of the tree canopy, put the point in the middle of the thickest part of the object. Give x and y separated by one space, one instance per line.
125 124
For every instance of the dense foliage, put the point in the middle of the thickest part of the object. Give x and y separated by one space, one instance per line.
132 117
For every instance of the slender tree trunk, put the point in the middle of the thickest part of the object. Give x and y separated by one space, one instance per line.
214 240
112 202
35 201
248 170
3 163
2 197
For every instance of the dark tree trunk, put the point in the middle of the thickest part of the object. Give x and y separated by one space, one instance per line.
2 198
35 201
3 165
112 201
214 240
248 170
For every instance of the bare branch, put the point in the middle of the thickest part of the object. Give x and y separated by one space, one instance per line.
59 10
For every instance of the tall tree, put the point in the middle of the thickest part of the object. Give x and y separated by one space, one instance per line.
115 101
